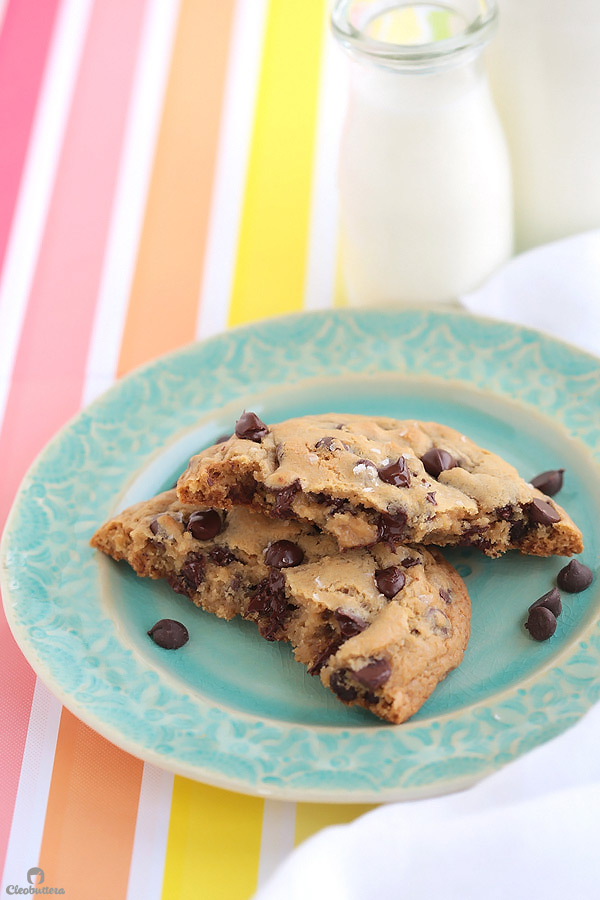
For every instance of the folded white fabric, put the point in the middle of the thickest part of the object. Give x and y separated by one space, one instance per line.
554 288
530 830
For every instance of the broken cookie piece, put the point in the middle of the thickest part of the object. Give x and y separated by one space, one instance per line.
365 479
380 626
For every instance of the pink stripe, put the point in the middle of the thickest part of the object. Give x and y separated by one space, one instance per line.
50 364
23 51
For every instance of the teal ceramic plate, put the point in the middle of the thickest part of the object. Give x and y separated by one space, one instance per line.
233 710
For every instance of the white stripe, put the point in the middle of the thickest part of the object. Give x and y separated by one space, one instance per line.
277 837
34 785
3 5
232 164
151 833
38 180
135 170
323 229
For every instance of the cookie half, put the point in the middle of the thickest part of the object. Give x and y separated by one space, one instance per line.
380 626
366 479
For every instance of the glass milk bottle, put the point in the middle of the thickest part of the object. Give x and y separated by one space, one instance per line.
545 76
424 177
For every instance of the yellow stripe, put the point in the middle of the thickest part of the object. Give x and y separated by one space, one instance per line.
213 845
270 271
312 817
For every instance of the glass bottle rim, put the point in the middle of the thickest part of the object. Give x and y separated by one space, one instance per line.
477 32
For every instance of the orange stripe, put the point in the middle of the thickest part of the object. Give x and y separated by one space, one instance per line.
91 815
164 299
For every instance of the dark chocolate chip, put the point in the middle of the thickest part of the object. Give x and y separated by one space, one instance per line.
391 527
284 555
169 634
204 524
192 570
374 674
389 581
445 595
283 500
365 462
336 503
324 655
395 473
436 461
541 623
350 624
221 556
431 498
250 428
270 605
325 443
551 601
542 513
340 686
409 562
155 527
574 577
550 482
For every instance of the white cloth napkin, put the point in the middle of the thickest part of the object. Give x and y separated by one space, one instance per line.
531 830
554 288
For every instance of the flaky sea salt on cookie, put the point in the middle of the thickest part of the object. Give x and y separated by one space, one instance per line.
365 479
380 626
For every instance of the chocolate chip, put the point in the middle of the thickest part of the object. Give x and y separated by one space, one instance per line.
368 463
550 482
324 655
222 556
204 524
192 570
374 674
250 428
541 623
409 562
350 624
551 601
336 503
431 498
395 473
340 686
445 596
389 581
436 461
326 443
574 577
391 528
169 634
165 526
270 605
438 621
542 513
284 555
283 500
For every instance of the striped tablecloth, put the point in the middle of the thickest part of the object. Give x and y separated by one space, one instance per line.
167 170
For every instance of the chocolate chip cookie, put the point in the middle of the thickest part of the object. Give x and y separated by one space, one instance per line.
366 479
380 626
